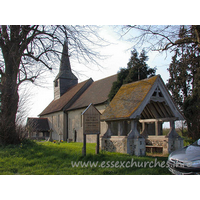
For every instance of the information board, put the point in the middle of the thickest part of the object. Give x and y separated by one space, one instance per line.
91 125
91 120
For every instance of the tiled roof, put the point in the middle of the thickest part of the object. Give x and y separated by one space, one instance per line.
128 99
59 104
96 93
38 124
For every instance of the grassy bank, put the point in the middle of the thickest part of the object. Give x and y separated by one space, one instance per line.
57 158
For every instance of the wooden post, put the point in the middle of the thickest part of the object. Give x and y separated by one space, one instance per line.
84 145
97 146
172 132
134 132
120 128
156 128
91 125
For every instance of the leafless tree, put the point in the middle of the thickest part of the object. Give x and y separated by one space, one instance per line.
160 37
24 105
24 49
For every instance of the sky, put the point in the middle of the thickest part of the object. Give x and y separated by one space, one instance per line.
119 52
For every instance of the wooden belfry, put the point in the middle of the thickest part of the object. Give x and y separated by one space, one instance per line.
91 125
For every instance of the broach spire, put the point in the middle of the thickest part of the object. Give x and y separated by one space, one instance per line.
65 78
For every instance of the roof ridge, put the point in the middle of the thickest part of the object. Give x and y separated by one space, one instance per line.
96 93
75 86
121 106
105 78
158 75
74 96
179 110
61 103
79 83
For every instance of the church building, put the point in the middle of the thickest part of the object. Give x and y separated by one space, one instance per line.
131 123
64 113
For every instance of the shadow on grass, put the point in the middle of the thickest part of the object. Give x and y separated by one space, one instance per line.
56 158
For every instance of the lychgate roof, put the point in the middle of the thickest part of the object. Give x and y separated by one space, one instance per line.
131 100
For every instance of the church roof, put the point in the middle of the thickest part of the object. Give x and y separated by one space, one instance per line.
131 99
96 93
81 95
38 124
67 98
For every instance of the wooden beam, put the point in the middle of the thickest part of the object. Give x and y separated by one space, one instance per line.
172 114
159 119
156 128
160 99
162 107
146 113
153 110
148 109
143 116
158 109
168 109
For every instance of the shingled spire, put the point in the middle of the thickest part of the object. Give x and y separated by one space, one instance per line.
65 78
65 63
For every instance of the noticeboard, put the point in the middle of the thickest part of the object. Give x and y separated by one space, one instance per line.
91 120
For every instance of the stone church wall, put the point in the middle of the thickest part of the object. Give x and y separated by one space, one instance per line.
75 122
56 123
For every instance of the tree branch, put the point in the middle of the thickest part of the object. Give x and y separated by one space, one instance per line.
4 32
37 59
162 38
32 79
25 41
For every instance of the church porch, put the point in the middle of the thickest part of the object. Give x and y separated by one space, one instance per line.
123 137
135 120
136 137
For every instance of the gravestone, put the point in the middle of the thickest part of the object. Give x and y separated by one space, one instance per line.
91 125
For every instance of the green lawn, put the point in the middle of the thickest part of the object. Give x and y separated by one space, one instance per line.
56 158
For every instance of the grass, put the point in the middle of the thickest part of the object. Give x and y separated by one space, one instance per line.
48 158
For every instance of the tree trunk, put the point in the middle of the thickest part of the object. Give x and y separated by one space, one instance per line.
9 103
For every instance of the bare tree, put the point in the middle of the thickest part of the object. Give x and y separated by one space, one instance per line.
24 105
161 37
24 49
